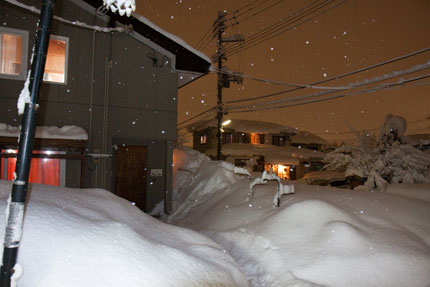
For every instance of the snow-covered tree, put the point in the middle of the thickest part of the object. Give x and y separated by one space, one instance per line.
381 161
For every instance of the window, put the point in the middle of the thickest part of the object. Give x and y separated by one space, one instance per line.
13 53
278 140
50 171
227 138
203 139
57 60
257 138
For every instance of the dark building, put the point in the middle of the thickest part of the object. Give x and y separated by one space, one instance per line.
120 87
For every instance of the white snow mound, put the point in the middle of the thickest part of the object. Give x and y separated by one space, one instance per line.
76 237
319 236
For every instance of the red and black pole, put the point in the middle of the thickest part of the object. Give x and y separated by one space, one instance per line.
20 184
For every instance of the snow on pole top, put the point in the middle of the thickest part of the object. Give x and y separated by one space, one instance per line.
122 6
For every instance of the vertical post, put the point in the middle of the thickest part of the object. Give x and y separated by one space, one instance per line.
220 84
20 184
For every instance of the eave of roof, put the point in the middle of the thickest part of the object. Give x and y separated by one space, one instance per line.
187 58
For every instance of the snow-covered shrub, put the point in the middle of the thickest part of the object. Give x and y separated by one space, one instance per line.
380 162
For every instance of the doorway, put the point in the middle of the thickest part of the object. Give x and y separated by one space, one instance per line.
130 174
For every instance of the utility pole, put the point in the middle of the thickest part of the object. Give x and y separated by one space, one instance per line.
223 79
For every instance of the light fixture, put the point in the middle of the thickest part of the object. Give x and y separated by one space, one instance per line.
227 122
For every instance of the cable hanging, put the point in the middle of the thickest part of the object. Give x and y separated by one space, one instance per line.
284 28
336 77
400 83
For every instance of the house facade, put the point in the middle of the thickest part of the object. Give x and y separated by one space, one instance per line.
261 146
120 87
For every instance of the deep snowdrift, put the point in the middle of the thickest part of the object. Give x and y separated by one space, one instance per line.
319 235
75 237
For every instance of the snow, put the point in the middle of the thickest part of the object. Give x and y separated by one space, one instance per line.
122 6
90 237
24 96
248 126
324 177
45 132
393 124
171 37
319 236
272 154
307 138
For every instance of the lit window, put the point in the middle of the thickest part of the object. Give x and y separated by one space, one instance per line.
50 171
56 60
203 139
13 53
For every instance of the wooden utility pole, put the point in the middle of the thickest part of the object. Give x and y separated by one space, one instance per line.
223 78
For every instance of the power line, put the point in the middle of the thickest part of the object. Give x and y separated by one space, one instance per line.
336 77
255 14
350 86
208 36
293 18
198 115
234 17
366 91
280 83
280 23
366 82
246 6
285 28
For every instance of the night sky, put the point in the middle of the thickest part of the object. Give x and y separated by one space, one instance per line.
351 35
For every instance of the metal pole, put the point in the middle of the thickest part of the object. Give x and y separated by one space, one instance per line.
20 184
220 84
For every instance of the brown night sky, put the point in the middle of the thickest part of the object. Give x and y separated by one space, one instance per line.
356 34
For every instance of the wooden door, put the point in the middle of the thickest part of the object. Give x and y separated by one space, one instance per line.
130 174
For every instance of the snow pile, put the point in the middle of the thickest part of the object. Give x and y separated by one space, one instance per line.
199 175
52 132
318 236
76 237
381 162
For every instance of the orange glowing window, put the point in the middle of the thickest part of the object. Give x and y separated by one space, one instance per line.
42 170
56 60
13 53
257 138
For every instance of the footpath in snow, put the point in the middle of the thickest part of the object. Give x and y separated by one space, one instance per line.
319 236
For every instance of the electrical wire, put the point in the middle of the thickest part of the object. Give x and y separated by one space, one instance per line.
364 91
336 77
234 16
289 20
366 82
285 28
255 14
198 115
217 70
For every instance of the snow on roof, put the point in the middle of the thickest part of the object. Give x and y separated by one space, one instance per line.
247 126
303 137
93 238
272 154
319 236
171 37
45 132
419 139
